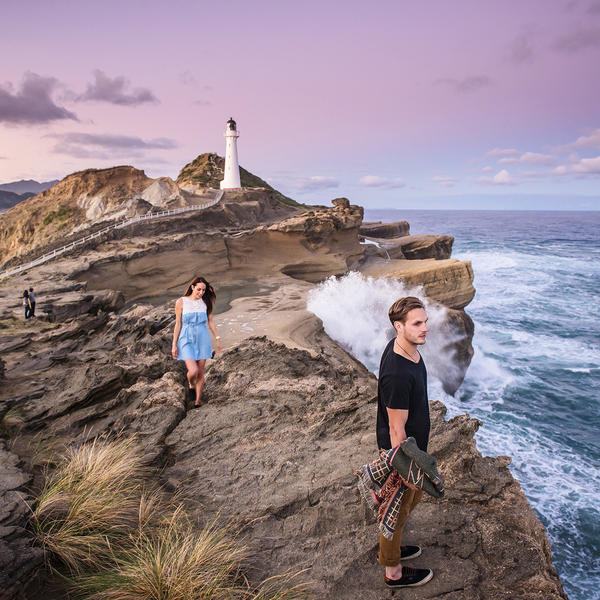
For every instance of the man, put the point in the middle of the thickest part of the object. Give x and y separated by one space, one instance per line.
32 302
403 411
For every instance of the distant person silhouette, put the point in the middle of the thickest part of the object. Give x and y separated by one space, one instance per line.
27 304
191 340
32 302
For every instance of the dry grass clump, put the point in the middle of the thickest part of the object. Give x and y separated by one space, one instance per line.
91 502
171 562
113 539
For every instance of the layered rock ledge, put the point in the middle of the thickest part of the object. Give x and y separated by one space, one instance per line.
288 414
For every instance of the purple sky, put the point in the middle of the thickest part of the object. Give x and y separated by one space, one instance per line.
391 103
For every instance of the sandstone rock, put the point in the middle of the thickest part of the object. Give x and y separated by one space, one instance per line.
449 282
385 230
163 192
284 431
342 203
419 247
86 196
18 557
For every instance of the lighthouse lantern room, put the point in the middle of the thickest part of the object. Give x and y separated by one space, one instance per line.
231 172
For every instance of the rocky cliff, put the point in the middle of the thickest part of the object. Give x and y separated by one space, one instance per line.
81 199
274 446
206 171
288 415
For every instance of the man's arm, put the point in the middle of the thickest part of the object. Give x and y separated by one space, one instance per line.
397 418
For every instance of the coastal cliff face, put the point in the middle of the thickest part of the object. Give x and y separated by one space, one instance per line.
80 198
274 446
288 415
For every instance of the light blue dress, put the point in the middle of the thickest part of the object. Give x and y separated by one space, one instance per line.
194 338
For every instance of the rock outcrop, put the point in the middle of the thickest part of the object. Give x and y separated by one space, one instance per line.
206 171
274 446
417 247
18 556
83 198
385 230
287 414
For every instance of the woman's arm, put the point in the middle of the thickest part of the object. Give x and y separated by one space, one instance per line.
211 326
178 311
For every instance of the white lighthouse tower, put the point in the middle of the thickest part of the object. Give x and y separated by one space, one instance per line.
231 173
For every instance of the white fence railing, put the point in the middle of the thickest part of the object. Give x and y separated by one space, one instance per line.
147 217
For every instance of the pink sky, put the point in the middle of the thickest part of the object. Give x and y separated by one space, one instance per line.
393 104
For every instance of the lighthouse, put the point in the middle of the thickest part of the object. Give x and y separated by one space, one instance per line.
231 172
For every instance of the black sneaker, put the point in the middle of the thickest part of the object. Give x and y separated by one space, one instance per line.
408 552
410 578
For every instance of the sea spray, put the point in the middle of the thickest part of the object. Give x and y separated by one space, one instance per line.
354 311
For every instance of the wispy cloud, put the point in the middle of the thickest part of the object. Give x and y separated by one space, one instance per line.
467 85
578 39
594 8
582 167
115 91
374 181
503 153
520 49
530 158
187 78
503 177
33 103
89 145
444 181
591 141
317 182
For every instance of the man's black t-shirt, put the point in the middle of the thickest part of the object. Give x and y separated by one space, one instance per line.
402 384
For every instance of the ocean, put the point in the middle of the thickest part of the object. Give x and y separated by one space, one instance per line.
534 379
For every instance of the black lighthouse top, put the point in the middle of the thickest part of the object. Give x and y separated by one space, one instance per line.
231 124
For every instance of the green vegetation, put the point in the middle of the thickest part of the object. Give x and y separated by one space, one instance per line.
12 420
112 538
206 170
62 214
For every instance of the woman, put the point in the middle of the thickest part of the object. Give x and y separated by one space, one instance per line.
191 340
27 304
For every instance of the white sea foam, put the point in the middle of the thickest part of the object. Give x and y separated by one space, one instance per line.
354 312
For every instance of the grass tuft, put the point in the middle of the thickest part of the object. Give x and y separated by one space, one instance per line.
12 420
90 502
111 538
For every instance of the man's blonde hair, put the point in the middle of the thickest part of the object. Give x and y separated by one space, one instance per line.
400 309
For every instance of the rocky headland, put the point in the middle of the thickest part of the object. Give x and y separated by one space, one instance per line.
287 415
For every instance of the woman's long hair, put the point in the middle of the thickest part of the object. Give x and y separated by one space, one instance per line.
25 294
209 295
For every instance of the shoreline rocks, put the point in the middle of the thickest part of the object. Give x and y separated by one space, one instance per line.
288 414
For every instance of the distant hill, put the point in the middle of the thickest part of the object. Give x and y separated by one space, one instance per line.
206 170
27 186
16 191
81 199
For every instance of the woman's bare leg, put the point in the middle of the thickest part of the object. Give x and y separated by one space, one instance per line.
199 380
192 372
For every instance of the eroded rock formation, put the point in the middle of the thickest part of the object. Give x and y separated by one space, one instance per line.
274 446
288 415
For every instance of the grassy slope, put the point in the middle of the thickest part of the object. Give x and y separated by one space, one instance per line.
206 170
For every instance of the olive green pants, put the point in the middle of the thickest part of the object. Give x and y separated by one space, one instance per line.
389 550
